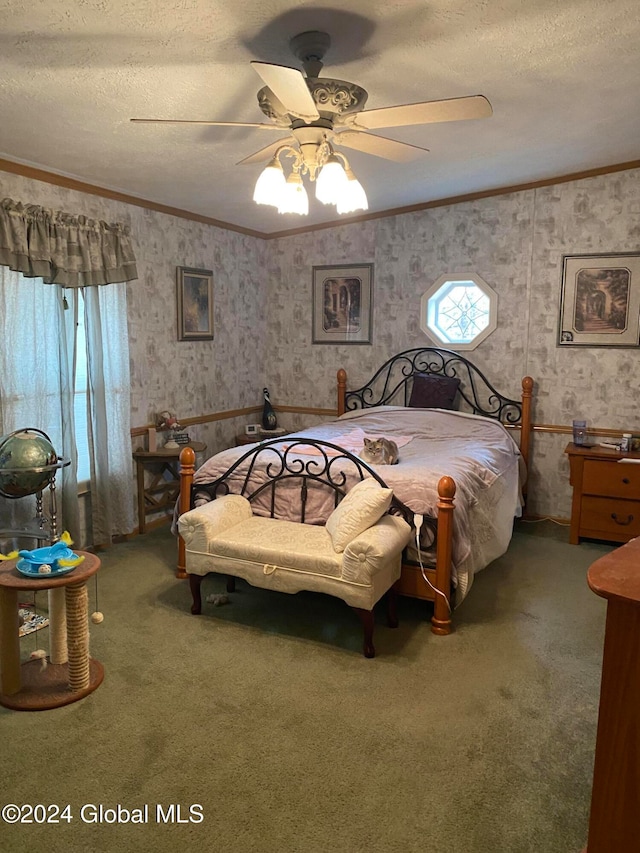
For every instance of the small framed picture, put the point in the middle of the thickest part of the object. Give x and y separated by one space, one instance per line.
342 304
600 301
252 429
195 304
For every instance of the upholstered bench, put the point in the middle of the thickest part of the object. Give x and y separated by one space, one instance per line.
355 555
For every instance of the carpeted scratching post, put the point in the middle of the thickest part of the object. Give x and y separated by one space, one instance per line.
57 626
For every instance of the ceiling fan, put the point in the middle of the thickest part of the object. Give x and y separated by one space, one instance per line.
320 113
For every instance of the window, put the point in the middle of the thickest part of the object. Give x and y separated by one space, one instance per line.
85 413
459 311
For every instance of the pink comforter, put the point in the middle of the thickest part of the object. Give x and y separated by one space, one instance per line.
475 451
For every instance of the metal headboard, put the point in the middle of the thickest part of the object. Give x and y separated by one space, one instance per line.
392 384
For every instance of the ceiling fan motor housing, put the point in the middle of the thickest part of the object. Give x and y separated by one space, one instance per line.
332 98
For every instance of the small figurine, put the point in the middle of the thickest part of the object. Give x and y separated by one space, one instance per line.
167 420
269 420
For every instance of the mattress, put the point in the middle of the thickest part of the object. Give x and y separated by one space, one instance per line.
477 452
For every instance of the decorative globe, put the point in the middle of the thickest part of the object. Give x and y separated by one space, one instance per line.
20 453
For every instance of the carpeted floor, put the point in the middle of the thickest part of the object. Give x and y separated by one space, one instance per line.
264 713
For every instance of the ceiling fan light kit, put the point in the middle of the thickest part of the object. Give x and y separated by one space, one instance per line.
294 198
354 197
271 183
331 181
335 182
320 113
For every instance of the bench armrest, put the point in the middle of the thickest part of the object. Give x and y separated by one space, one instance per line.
200 525
374 549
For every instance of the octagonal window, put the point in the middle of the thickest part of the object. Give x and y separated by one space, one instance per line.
459 311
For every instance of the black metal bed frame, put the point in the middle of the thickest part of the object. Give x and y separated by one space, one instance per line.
395 380
284 459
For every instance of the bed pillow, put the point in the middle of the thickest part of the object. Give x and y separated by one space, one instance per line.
359 509
433 392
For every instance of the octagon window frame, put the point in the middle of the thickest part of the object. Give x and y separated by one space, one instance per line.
438 290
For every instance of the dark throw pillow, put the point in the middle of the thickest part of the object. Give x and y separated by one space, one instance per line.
433 392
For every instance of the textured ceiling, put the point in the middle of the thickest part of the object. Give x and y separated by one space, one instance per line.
562 77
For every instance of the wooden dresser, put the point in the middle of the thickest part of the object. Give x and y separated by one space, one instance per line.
606 493
615 798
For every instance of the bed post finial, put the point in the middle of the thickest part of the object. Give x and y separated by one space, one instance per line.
342 390
187 470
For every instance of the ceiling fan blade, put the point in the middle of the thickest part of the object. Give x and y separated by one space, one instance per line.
379 146
265 153
262 126
290 87
454 109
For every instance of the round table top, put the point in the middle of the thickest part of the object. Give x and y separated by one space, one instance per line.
10 577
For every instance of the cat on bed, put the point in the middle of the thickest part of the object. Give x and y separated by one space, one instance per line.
380 451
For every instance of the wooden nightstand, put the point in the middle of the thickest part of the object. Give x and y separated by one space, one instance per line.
162 492
606 493
242 439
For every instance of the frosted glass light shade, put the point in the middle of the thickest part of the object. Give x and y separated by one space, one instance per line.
331 182
353 196
294 198
270 185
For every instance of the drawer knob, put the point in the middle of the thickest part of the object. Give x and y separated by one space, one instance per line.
625 480
619 521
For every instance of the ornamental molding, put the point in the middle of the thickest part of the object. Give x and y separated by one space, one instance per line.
331 97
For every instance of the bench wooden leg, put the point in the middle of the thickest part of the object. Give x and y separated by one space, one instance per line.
194 585
366 617
231 583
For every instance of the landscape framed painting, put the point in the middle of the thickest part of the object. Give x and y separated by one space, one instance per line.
600 301
342 304
195 304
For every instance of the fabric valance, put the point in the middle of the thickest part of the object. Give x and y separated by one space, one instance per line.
73 251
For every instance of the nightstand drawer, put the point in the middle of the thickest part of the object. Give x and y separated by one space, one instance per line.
610 516
614 479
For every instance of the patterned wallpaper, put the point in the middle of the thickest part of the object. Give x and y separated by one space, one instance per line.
189 377
262 293
515 242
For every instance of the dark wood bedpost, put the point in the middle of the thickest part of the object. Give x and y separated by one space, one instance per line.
187 470
441 619
342 390
525 429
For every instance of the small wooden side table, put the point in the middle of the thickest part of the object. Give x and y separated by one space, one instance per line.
606 493
615 797
71 674
160 494
243 439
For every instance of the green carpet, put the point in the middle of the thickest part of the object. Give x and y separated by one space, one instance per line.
266 714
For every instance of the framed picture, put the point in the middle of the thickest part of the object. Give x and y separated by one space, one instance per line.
342 304
195 304
600 301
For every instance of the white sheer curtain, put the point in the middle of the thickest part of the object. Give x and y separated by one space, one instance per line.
35 387
109 409
37 390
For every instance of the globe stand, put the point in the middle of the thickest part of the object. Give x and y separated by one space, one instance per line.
42 528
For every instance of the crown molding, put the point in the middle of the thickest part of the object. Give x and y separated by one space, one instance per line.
38 174
69 183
